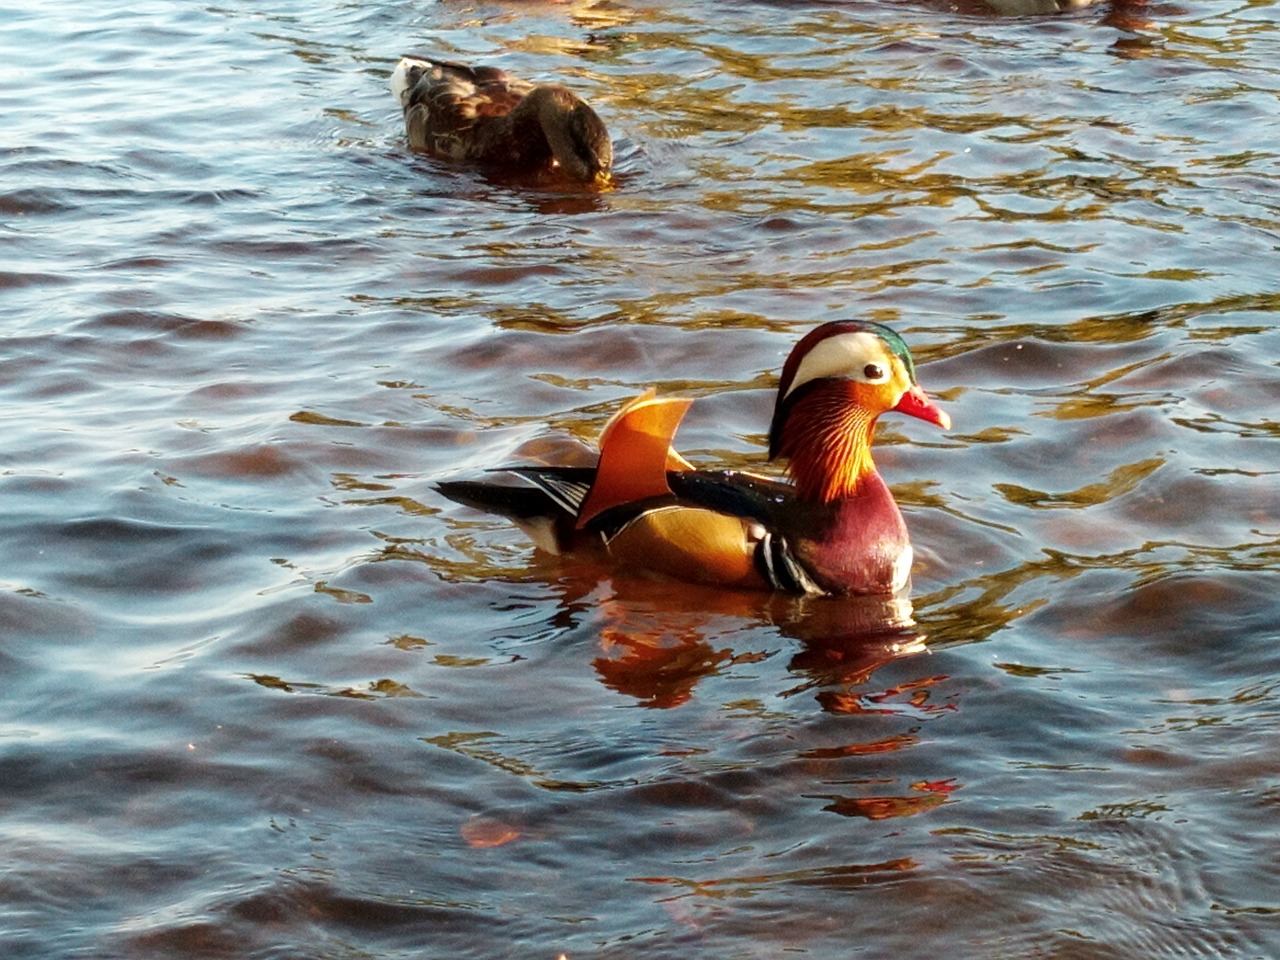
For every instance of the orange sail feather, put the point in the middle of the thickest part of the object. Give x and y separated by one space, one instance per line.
636 453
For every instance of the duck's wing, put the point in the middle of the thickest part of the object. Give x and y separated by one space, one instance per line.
735 492
649 507
712 526
729 522
449 106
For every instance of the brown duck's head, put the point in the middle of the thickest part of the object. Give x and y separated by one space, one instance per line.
838 379
577 136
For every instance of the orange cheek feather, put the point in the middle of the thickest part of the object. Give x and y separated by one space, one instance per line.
829 438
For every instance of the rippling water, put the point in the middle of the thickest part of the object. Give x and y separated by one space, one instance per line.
267 695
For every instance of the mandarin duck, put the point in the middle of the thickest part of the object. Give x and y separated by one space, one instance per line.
485 115
833 529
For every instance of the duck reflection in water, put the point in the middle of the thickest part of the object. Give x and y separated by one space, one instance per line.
658 640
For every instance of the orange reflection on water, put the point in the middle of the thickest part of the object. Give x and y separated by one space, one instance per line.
905 699
655 668
658 640
485 832
653 638
883 745
883 808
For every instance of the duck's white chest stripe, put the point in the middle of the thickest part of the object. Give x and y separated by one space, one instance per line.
902 568
781 569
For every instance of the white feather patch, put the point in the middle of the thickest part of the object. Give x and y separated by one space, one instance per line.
902 568
400 78
844 355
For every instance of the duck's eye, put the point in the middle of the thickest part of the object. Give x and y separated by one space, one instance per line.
873 372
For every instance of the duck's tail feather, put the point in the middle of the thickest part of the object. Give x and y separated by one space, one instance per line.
405 77
507 500
545 511
532 509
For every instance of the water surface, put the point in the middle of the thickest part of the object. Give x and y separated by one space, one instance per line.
268 695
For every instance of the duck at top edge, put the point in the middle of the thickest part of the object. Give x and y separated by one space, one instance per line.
484 115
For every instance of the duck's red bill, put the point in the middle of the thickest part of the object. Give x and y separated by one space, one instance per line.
915 403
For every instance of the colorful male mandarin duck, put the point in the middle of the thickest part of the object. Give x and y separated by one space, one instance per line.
834 529
483 114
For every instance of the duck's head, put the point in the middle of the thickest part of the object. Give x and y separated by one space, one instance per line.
577 136
837 381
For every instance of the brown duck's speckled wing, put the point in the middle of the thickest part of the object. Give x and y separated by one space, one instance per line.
457 111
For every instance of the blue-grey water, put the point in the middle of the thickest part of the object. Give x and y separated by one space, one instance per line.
267 695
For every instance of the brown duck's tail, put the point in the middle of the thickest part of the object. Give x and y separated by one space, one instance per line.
405 77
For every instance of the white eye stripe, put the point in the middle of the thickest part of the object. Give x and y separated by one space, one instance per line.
844 355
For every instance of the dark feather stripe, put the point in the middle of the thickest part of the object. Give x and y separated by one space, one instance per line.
517 503
781 569
731 491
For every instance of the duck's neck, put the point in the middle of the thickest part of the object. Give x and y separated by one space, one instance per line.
542 110
827 441
520 138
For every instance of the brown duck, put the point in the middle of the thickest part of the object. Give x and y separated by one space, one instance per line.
485 115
